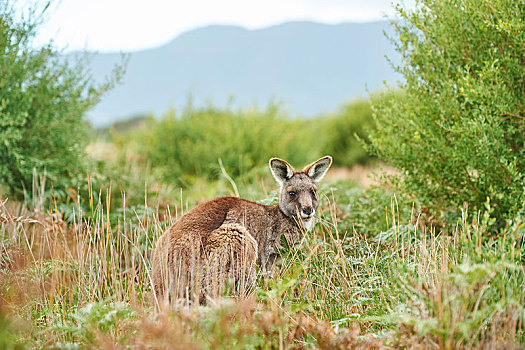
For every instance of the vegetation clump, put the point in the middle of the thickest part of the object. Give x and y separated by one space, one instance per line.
43 100
458 132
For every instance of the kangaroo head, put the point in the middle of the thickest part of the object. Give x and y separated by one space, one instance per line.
298 194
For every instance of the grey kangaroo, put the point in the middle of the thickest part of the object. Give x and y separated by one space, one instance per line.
225 238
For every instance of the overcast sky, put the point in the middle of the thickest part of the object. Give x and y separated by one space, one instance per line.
127 25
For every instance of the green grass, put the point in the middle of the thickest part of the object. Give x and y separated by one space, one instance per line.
86 284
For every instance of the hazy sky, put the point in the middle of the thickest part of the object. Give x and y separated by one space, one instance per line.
123 25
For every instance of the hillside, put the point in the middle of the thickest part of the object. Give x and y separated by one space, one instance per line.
309 67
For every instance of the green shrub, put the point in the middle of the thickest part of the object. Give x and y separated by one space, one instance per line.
190 145
458 132
9 334
341 132
42 103
88 323
370 211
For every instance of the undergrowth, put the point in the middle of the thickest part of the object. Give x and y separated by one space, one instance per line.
353 283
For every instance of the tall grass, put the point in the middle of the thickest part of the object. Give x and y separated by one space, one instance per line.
54 267
87 284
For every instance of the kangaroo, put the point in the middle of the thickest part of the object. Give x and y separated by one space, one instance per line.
225 238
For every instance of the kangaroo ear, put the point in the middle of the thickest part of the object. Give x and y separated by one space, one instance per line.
281 170
317 169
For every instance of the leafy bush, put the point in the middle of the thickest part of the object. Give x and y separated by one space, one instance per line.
340 130
87 324
458 132
42 102
376 209
190 145
187 146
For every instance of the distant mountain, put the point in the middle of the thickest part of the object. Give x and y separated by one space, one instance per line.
310 67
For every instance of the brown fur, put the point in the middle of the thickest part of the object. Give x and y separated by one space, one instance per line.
223 239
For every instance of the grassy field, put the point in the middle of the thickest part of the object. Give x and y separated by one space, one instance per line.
373 274
429 258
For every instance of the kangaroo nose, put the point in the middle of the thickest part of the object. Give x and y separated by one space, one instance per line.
307 210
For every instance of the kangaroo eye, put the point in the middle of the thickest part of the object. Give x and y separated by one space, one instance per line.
291 193
313 192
